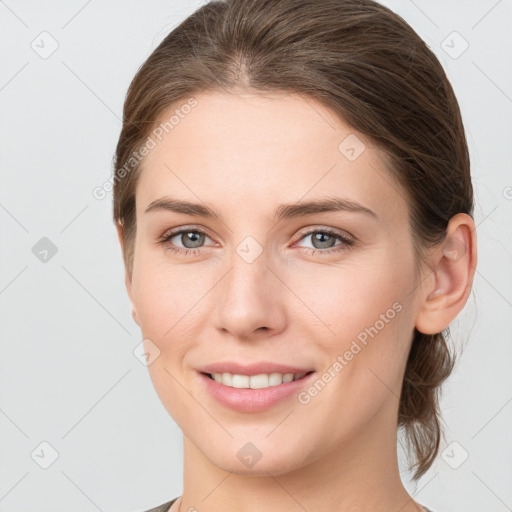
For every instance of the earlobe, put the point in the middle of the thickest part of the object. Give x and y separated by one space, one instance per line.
127 278
454 264
128 285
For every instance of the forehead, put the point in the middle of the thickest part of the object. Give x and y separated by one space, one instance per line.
244 149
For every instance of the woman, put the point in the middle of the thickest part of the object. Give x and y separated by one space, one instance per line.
293 199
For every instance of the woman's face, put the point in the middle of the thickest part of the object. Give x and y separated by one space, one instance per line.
264 283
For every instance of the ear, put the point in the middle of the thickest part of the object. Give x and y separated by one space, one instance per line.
454 263
127 278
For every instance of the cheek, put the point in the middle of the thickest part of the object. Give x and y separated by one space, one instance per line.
165 298
347 300
366 326
168 297
363 364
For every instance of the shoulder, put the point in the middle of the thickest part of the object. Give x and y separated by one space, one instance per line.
162 508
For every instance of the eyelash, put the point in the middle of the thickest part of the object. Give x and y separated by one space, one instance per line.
347 243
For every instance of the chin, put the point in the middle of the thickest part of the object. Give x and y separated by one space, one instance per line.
251 461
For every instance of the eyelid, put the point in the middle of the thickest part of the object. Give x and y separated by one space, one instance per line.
346 240
168 233
326 229
305 231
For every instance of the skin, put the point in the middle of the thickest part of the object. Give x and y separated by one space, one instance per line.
244 154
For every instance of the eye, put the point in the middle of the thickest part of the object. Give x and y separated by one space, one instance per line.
191 239
324 241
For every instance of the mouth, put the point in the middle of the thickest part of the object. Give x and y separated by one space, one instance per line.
254 393
260 381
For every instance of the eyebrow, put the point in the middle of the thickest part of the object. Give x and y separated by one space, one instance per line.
284 211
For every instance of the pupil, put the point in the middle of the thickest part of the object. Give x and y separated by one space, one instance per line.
192 236
317 238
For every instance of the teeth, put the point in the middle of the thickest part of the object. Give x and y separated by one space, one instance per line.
260 381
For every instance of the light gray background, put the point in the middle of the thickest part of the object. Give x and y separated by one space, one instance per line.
68 373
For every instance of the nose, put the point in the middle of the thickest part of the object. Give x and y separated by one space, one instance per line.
250 299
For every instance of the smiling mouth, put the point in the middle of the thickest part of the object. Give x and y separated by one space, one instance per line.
260 381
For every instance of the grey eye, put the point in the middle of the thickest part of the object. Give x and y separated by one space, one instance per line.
322 240
191 239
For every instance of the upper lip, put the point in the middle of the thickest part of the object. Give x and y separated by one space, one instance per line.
252 368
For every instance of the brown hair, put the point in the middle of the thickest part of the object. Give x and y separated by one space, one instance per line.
370 67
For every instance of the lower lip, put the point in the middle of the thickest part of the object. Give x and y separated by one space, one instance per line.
253 400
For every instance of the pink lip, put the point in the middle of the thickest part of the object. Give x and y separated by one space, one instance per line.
253 400
251 369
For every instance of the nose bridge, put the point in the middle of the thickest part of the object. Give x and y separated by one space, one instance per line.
248 297
248 279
